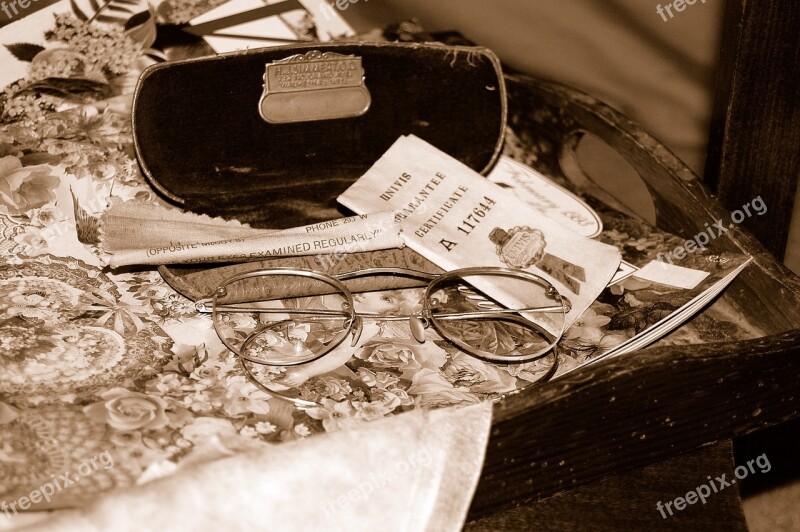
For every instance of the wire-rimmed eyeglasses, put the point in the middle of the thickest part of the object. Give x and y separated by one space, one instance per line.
266 317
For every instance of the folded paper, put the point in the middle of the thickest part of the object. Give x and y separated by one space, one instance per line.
455 218
128 225
244 24
157 236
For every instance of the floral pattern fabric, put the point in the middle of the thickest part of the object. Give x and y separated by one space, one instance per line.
94 361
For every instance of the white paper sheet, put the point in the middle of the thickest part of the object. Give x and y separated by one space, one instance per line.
456 218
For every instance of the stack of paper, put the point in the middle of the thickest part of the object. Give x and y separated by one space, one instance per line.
452 216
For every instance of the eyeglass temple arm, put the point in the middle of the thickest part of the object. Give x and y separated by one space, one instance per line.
387 271
342 313
429 277
257 310
205 306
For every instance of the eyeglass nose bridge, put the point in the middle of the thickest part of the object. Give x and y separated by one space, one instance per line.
418 324
356 328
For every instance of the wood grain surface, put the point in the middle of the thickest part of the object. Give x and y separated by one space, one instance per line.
635 410
648 406
628 501
755 134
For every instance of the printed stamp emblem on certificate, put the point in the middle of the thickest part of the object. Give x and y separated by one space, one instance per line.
314 86
523 247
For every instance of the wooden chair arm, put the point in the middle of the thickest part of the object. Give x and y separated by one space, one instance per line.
635 410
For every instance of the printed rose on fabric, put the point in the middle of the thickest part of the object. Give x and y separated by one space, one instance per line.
206 376
186 358
477 375
334 415
203 429
330 386
169 384
392 398
485 335
125 410
23 188
370 411
31 242
610 341
406 356
377 379
242 397
430 388
533 371
588 328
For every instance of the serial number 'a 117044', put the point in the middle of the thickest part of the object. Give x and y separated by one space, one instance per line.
478 213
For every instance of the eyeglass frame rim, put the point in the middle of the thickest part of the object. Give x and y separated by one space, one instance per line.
306 403
285 271
338 278
353 316
336 282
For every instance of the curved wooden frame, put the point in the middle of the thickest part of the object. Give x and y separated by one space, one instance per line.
653 404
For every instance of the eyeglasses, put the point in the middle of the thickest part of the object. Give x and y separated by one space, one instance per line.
267 317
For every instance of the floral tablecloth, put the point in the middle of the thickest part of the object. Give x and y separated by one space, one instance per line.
117 365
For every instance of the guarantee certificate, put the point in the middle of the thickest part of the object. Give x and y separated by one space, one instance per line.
456 218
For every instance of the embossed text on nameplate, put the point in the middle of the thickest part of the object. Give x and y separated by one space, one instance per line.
314 86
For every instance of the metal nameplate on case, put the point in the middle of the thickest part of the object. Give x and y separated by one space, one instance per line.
314 86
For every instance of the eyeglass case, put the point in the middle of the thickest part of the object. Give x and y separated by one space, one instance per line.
207 141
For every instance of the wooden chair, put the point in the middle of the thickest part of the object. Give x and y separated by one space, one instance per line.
601 446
